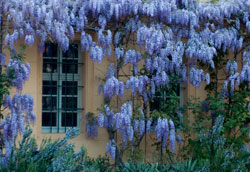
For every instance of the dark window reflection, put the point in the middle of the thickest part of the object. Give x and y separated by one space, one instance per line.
69 66
69 103
69 119
50 50
48 119
72 52
49 65
49 103
69 88
49 87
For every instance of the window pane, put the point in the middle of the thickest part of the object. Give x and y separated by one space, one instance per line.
49 65
69 88
163 98
69 103
49 103
50 50
69 119
48 119
49 87
69 66
72 52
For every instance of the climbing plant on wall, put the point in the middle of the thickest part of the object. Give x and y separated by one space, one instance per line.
170 37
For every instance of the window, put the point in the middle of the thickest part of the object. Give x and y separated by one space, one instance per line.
61 89
168 98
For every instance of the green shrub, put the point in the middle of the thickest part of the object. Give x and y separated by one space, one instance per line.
138 167
55 156
100 164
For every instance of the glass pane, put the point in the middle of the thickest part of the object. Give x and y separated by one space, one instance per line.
49 103
49 65
69 88
50 50
69 119
49 87
69 66
48 119
72 52
69 103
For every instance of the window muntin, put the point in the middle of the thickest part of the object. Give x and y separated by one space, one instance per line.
62 87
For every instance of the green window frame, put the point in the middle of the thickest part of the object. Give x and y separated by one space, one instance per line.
62 88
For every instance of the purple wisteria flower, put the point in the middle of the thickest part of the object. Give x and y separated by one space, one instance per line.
172 135
113 87
21 112
178 139
2 59
205 106
148 127
111 148
91 126
101 119
20 71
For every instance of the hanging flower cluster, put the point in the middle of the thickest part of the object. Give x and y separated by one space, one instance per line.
111 148
172 135
221 9
106 118
161 79
231 67
227 38
18 72
133 57
91 125
96 53
152 37
119 53
128 126
86 41
112 87
105 41
245 72
21 107
123 122
162 132
196 76
187 18
137 84
2 59
200 49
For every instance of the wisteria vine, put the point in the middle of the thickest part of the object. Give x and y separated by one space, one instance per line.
166 34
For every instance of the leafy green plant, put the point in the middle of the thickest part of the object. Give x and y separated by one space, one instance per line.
185 166
55 156
211 150
142 167
100 164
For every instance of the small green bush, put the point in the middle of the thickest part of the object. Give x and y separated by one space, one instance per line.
51 156
100 164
